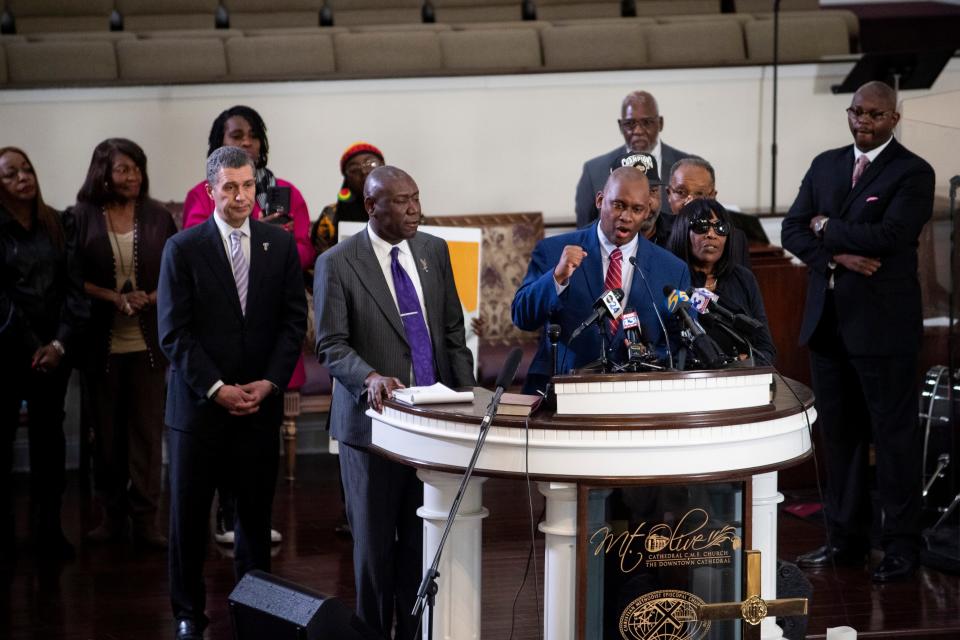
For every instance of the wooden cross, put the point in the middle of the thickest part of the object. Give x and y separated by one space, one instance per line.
753 609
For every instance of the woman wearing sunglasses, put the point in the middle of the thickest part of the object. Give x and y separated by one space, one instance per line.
701 236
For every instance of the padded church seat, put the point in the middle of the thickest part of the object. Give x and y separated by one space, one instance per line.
61 36
148 15
754 6
295 56
351 12
64 63
573 9
387 52
253 14
280 32
573 22
606 46
33 16
190 34
506 24
657 8
491 49
849 17
696 43
172 60
478 10
402 26
802 39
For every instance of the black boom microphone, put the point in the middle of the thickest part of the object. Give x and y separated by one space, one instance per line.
705 348
608 304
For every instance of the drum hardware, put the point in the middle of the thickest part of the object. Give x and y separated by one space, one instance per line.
942 463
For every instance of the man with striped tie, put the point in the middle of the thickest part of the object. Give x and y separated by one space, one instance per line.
232 316
568 272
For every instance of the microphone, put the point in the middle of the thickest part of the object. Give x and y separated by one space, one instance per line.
656 310
504 380
631 325
706 349
607 304
706 301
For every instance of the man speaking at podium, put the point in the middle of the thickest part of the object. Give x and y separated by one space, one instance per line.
569 272
388 316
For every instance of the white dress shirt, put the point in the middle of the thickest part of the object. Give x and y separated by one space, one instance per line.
626 268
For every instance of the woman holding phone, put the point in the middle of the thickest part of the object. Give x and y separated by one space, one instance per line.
277 201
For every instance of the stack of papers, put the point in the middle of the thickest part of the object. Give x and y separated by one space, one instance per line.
434 394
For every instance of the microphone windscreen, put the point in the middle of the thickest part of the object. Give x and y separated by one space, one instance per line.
510 366
667 290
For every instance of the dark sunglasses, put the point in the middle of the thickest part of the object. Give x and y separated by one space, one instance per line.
701 226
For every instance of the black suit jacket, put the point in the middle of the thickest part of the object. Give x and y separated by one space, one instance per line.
206 336
881 217
597 170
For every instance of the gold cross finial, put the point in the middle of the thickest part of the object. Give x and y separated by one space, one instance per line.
753 609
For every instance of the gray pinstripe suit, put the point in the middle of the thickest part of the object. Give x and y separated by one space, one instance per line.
359 331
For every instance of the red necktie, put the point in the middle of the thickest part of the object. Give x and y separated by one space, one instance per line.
614 280
858 169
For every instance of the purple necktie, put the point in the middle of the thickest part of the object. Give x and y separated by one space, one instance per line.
414 324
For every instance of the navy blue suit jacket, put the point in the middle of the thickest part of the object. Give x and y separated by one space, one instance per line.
206 336
881 217
536 302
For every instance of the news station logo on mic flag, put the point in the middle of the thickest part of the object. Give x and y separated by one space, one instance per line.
613 304
631 321
675 298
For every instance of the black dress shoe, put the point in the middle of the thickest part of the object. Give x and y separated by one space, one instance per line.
188 630
894 567
828 556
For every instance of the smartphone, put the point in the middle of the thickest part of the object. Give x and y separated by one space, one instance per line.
278 201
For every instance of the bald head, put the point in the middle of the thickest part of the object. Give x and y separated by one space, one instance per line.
380 177
639 98
880 92
640 122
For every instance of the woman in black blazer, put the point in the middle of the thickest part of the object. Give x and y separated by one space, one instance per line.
702 237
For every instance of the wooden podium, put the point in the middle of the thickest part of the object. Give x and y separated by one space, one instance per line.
642 428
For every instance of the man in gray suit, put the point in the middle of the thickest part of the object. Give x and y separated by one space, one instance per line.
640 125
387 315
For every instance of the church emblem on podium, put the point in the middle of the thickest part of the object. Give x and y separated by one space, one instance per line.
668 614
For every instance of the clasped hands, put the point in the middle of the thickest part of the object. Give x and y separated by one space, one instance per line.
243 399
132 302
864 265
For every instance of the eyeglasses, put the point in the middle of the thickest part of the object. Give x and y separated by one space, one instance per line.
357 169
857 113
701 226
683 194
631 124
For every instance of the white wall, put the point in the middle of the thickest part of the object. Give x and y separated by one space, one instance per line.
474 144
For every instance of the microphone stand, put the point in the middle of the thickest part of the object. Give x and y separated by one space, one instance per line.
426 594
604 363
776 82
550 393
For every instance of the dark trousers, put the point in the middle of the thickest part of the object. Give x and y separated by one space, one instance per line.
44 394
382 502
124 405
233 455
860 400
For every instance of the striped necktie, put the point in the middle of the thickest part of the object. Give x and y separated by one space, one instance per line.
614 280
862 163
241 271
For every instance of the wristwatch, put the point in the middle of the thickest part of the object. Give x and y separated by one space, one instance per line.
56 344
819 226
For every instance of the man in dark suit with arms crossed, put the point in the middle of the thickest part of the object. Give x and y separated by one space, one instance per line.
232 315
387 316
855 223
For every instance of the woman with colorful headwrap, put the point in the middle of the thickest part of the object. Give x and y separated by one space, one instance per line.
356 163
